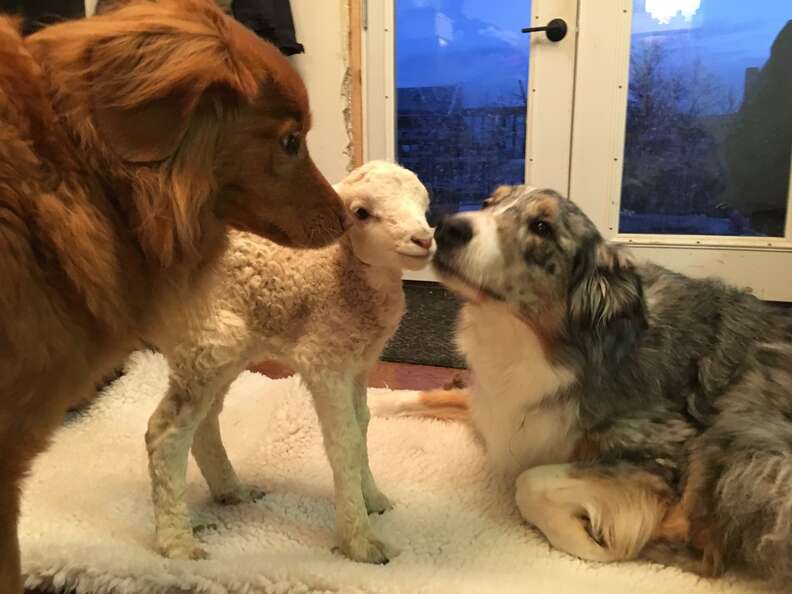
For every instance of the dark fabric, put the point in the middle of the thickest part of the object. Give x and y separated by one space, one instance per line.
271 20
40 13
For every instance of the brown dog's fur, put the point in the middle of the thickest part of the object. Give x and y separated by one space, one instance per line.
128 142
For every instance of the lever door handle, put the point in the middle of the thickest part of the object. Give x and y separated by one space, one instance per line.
555 30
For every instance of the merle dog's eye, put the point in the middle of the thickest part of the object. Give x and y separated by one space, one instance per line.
362 214
291 143
541 228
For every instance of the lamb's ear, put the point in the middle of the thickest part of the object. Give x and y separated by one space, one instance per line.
606 291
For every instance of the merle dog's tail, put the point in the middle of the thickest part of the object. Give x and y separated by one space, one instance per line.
442 405
750 507
753 510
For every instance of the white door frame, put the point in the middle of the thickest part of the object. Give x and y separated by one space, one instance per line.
551 80
762 264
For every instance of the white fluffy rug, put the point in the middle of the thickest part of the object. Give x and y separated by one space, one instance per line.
87 522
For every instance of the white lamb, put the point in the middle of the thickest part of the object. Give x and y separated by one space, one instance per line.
328 314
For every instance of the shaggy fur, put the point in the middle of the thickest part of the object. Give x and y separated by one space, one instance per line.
327 314
128 142
643 412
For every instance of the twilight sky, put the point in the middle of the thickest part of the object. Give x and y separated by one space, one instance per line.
478 42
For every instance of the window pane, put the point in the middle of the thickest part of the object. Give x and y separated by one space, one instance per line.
461 78
709 118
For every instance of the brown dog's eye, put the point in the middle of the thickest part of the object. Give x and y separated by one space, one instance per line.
291 143
541 228
362 214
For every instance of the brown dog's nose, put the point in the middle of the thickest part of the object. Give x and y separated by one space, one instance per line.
346 221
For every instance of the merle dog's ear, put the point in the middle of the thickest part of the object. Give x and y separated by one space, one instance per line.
606 293
497 195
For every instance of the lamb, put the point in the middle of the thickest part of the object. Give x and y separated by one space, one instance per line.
327 314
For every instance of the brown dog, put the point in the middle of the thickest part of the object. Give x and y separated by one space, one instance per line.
128 142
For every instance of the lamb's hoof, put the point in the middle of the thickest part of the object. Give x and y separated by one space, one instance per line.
241 495
377 503
366 550
183 550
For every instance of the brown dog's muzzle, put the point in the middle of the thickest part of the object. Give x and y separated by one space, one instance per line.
324 217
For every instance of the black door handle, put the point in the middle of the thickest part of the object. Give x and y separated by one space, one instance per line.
555 30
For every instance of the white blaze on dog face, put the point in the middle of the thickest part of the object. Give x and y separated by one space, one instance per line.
389 205
519 248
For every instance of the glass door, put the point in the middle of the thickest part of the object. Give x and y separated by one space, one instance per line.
457 93
682 134
461 97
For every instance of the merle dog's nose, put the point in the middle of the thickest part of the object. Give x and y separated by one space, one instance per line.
453 231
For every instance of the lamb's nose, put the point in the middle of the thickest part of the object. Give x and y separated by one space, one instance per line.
422 242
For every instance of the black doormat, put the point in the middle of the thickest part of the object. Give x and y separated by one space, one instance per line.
426 333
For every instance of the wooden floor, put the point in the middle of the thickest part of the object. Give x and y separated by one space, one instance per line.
396 376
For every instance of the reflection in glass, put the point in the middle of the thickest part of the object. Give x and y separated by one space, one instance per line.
709 118
461 77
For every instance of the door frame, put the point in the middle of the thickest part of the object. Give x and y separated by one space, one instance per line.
760 264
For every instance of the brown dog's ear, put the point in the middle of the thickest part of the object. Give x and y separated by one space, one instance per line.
148 68
148 132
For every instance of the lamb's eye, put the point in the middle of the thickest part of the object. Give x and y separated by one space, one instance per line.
291 143
541 228
362 214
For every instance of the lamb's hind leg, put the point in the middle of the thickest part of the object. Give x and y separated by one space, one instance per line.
212 459
599 513
168 440
334 402
376 501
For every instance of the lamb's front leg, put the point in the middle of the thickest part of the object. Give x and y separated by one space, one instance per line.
376 501
170 433
334 402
